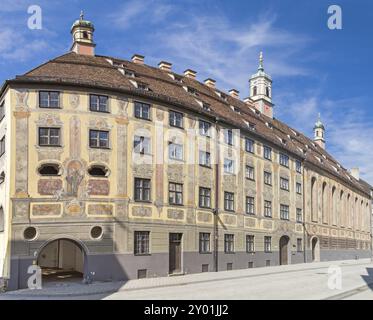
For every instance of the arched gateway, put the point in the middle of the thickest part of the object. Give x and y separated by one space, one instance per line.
284 249
62 259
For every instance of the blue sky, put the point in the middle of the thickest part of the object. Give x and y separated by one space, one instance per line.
314 69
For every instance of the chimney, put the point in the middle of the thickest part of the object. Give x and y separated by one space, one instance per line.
234 93
355 172
210 83
189 73
138 59
165 66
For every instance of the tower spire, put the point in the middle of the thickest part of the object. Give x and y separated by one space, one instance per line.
261 67
319 131
81 15
82 32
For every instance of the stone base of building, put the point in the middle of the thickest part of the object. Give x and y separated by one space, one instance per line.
122 267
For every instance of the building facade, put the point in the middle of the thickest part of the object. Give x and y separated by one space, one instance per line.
118 170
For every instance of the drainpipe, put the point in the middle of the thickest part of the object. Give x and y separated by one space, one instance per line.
304 214
217 189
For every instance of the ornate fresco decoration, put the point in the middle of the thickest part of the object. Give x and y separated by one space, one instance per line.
21 209
46 209
99 124
75 174
250 222
75 138
98 187
99 155
175 214
192 123
159 115
100 209
284 227
229 182
48 187
205 177
49 153
21 178
141 211
74 208
142 170
22 96
267 225
49 120
204 217
175 173
122 160
123 107
74 100
229 219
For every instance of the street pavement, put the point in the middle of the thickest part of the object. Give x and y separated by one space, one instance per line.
302 281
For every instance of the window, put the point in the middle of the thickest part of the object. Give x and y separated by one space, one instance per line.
267 153
204 128
229 201
2 146
142 145
250 244
142 242
267 92
192 91
298 166
255 91
49 136
229 243
98 139
2 110
205 197
228 136
204 159
228 166
299 215
299 245
250 173
142 110
267 209
49 169
98 103
175 151
298 188
268 178
249 145
176 119
284 160
204 242
284 184
206 107
250 205
175 193
143 86
267 244
142 189
2 218
2 177
49 99
98 171
284 212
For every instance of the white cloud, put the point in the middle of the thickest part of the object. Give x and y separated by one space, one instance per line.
135 12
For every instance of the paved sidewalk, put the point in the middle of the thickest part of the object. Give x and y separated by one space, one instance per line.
76 289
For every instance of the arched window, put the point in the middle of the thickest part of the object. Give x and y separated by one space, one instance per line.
313 199
348 211
85 35
268 92
255 91
325 203
49 169
2 219
98 171
341 209
356 211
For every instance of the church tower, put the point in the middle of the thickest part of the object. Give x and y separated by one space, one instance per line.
319 131
261 90
82 32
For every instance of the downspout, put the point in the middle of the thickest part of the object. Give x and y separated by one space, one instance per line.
217 189
304 214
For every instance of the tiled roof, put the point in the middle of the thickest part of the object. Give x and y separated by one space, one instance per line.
103 72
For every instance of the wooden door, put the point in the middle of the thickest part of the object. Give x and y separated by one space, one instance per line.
284 250
175 253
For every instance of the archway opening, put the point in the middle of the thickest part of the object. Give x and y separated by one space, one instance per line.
62 260
315 249
284 250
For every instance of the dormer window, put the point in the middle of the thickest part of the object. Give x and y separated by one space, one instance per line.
129 73
192 91
178 78
143 86
2 177
206 107
235 109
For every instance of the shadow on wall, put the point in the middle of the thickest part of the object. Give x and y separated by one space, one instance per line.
369 278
